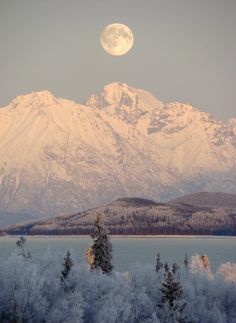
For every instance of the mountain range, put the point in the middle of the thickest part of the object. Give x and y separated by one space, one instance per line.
58 157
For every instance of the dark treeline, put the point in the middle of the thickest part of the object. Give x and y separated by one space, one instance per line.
132 231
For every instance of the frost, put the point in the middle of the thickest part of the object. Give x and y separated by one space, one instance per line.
33 292
228 271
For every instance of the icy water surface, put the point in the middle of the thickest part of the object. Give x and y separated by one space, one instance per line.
131 251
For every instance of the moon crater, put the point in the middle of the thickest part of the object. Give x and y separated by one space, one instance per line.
117 39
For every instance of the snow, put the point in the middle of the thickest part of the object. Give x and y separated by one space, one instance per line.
32 291
123 142
232 124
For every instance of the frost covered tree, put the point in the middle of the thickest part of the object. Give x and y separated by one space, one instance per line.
101 248
31 292
228 272
89 256
172 300
200 264
21 248
159 264
206 262
66 267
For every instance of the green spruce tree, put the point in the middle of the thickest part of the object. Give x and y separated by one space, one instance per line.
101 248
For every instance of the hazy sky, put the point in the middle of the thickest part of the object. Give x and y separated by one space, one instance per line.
185 50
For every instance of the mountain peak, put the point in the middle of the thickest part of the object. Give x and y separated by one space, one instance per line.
43 93
115 93
36 98
124 101
116 86
116 89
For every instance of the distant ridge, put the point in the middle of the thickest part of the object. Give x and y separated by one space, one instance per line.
218 199
137 216
133 201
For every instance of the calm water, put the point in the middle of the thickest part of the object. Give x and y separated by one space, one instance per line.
129 251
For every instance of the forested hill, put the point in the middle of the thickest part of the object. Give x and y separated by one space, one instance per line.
135 216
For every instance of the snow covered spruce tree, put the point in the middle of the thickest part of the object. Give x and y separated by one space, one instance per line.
21 248
101 248
166 267
174 268
172 301
159 264
186 261
67 265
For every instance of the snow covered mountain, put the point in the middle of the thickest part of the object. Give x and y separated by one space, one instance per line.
208 199
58 157
232 124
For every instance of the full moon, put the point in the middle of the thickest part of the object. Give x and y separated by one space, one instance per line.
117 39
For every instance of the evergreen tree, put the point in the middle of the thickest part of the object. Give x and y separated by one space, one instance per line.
172 298
186 261
175 268
101 248
166 267
66 267
159 264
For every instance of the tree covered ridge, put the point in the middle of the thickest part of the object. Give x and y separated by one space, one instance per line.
133 216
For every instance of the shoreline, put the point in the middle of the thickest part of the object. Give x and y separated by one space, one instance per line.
124 236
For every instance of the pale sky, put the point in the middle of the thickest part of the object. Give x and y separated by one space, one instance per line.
185 50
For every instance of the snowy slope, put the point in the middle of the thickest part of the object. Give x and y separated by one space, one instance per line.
208 199
232 124
199 149
59 157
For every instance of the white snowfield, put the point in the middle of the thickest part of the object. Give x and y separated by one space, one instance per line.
59 157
